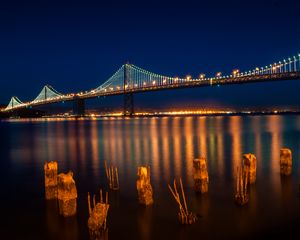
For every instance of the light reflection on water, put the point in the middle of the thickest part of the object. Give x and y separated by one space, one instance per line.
169 146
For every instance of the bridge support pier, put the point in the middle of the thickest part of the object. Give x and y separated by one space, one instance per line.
128 104
79 107
14 114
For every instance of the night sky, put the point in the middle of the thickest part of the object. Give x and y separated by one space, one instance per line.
77 45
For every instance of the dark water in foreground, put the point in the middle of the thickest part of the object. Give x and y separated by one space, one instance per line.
169 145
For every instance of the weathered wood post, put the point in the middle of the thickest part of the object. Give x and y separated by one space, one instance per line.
50 172
143 185
241 193
249 160
97 217
285 161
67 194
200 174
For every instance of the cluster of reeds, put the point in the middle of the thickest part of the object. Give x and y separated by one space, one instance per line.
112 176
185 217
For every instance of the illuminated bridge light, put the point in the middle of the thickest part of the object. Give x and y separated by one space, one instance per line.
202 76
154 82
235 72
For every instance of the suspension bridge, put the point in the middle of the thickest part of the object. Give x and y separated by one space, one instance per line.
130 79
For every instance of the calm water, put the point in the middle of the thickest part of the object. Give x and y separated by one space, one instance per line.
169 146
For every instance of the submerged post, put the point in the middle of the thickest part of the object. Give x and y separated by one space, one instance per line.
250 167
285 161
50 172
241 192
97 217
128 109
67 194
200 175
143 185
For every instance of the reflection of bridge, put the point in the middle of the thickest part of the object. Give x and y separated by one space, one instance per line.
130 79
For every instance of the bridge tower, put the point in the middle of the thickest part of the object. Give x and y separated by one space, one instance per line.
128 109
45 92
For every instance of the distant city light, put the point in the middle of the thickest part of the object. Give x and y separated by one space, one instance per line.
188 77
202 75
218 74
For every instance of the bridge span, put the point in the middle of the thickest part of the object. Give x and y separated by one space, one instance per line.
130 79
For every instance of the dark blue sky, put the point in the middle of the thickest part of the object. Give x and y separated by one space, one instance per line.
77 45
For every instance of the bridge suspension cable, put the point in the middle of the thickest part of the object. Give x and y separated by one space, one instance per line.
137 78
115 82
291 64
47 93
13 103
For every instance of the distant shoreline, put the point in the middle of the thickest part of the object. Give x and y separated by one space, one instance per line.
163 114
149 115
197 115
230 114
242 113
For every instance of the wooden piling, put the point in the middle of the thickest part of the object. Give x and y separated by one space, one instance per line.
98 217
241 194
200 175
50 173
143 185
249 160
286 161
67 194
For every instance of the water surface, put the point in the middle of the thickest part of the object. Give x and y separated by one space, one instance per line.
168 145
